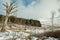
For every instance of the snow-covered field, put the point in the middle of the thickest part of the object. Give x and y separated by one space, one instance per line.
23 32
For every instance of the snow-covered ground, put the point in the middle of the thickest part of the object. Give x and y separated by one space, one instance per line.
23 33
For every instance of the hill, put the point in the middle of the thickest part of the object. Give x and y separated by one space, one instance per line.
23 21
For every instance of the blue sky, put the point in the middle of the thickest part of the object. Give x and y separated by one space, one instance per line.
34 9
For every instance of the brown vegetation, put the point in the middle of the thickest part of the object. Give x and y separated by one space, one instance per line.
55 34
22 21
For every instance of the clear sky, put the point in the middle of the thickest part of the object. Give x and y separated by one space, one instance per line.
34 9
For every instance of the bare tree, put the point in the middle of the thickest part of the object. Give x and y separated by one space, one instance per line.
9 10
53 13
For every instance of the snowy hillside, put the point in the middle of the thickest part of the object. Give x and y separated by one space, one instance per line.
23 32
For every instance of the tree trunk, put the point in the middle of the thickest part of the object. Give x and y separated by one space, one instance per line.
6 19
5 23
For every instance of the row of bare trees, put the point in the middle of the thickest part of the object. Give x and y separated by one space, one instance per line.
23 21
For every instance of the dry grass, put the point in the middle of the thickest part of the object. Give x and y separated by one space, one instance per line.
55 34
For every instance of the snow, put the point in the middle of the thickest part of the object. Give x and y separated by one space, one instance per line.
34 38
23 34
51 38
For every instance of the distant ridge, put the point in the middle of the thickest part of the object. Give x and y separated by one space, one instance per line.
23 21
